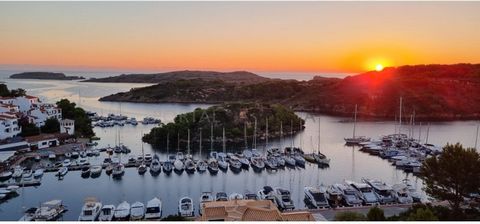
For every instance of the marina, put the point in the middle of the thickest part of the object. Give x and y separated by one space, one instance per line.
347 162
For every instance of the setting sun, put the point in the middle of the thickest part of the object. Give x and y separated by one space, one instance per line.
378 67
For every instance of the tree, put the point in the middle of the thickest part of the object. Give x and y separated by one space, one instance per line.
349 216
29 129
375 214
452 175
422 214
83 124
68 109
51 126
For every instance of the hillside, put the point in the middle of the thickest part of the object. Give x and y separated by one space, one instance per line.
434 92
235 77
44 75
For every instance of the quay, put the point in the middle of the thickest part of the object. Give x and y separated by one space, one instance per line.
22 183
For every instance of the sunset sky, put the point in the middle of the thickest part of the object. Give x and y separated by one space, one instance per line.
254 36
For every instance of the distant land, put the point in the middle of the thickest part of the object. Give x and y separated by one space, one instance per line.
235 77
44 75
432 92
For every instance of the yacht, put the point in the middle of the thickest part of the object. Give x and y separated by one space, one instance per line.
317 196
280 160
62 171
266 193
86 171
190 166
383 192
222 162
67 162
271 163
90 210
27 175
185 207
235 164
402 194
154 209
122 211
17 172
244 161
118 170
247 153
365 192
49 211
142 169
75 155
155 166
148 157
205 197
283 199
235 196
213 166
137 211
5 175
221 196
167 167
250 196
299 160
334 196
349 195
96 171
132 160
106 214
109 169
202 166
416 196
52 156
257 163
290 161
178 165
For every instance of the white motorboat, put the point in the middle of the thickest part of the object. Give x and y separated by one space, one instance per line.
235 196
222 162
283 199
155 167
317 196
27 175
178 165
66 162
213 166
244 161
142 169
52 156
49 211
235 164
266 193
118 170
250 196
202 166
90 210
205 197
350 196
167 167
29 214
106 213
96 171
290 161
62 171
221 196
38 173
365 192
86 171
299 160
185 207
154 209
402 194
416 196
257 163
17 172
383 192
148 157
280 160
122 211
137 211
271 163
74 155
190 166
334 196
5 175
12 189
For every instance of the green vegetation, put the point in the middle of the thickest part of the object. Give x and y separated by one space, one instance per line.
29 129
83 124
51 126
375 214
350 216
5 92
234 117
452 175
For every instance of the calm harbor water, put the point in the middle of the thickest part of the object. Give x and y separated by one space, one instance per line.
346 162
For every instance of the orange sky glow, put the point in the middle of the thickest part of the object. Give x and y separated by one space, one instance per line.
255 36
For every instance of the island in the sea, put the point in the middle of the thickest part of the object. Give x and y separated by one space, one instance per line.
241 122
45 75
428 92
165 77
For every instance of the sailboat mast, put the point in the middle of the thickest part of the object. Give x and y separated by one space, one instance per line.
281 134
291 133
188 141
200 142
245 134
168 137
476 136
223 139
266 132
211 136
428 133
400 118
178 141
255 134
355 121
318 134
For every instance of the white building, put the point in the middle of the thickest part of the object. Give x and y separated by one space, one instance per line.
67 126
40 113
9 126
43 141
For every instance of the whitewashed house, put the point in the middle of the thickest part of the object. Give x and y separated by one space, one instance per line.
43 141
9 127
67 126
40 113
